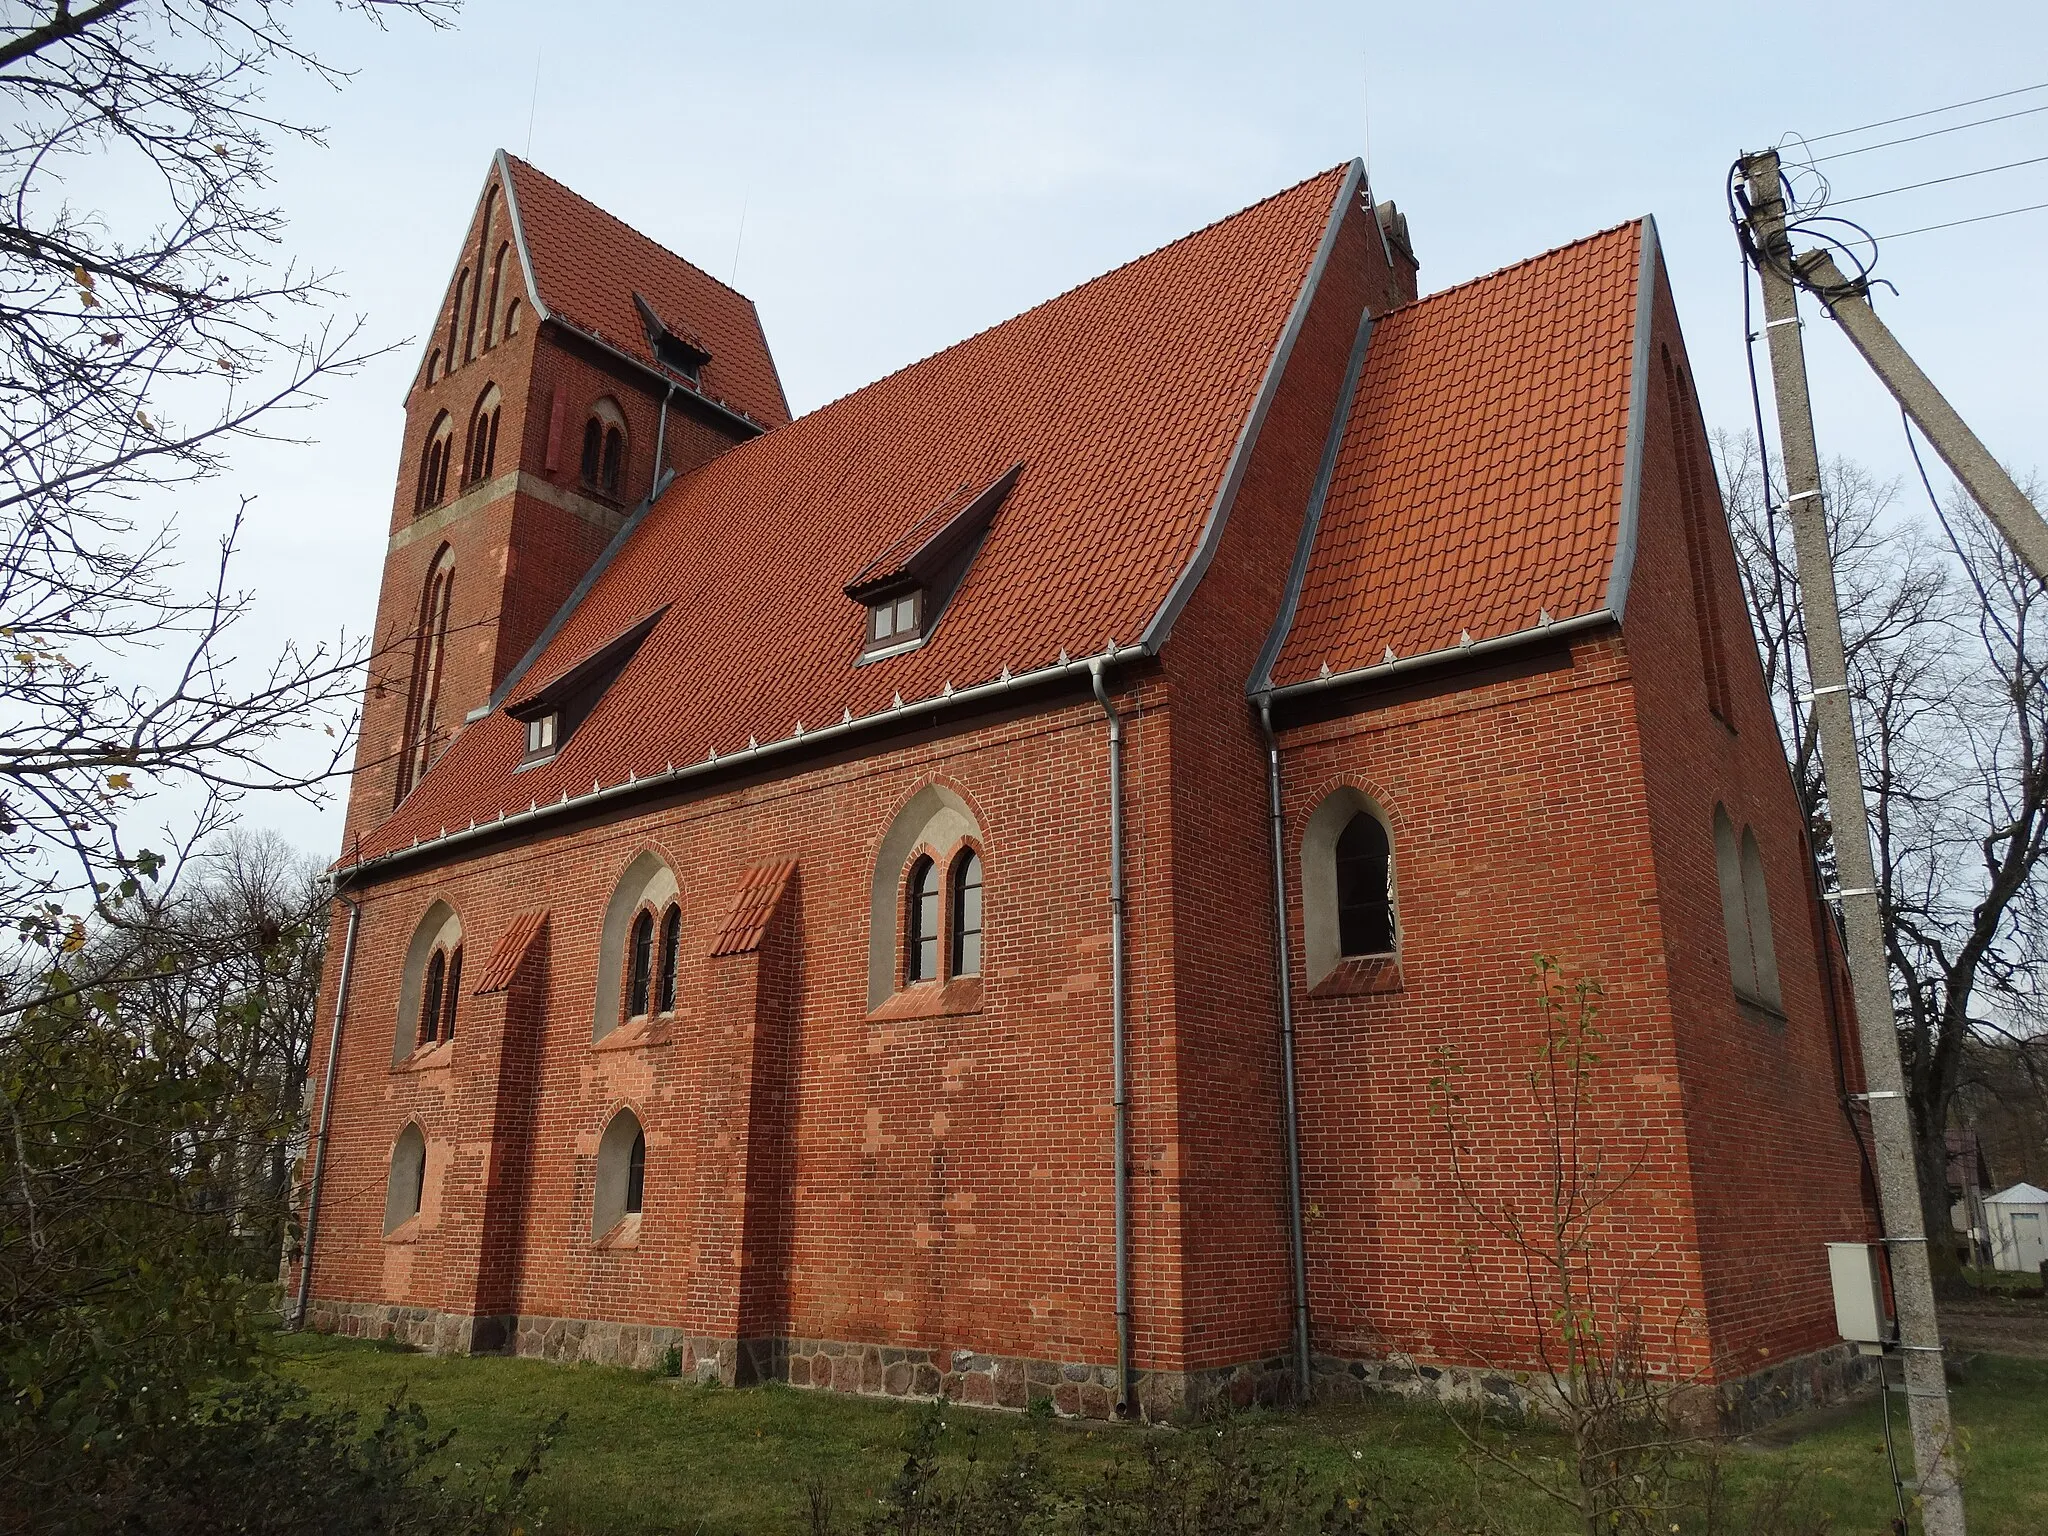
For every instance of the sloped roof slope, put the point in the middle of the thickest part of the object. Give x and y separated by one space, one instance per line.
587 265
1123 399
1480 479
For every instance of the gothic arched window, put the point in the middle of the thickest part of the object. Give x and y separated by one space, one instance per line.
621 1186
405 1190
671 947
423 695
921 923
639 964
604 448
483 437
433 485
1365 905
491 332
966 914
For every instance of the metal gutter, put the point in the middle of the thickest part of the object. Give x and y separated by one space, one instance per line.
1120 1096
1312 519
754 751
670 381
1598 618
1161 627
348 956
1638 425
1297 1239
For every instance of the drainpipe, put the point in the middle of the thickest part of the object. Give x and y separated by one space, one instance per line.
348 956
661 433
1297 1243
1119 1087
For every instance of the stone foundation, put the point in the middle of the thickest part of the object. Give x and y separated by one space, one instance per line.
1074 1390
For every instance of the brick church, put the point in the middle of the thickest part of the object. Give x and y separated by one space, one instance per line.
970 890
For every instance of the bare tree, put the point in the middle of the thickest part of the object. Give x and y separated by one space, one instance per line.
147 325
1947 637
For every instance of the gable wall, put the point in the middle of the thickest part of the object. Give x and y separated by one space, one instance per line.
1775 1171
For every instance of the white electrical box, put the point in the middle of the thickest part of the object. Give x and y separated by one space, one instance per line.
1858 1274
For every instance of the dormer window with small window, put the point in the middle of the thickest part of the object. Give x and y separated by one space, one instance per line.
906 587
552 713
671 348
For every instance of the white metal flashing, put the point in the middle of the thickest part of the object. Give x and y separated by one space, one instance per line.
1161 627
1638 424
1598 618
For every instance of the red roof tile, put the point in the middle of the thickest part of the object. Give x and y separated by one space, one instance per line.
1123 399
747 924
1479 482
588 265
512 948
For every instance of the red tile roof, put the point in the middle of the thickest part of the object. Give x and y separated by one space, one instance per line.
588 265
512 948
752 911
1479 482
1123 399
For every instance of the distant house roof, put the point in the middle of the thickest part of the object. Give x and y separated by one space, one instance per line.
2019 1194
1124 400
1479 484
589 268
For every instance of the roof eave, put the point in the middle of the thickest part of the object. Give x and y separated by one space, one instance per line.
1515 640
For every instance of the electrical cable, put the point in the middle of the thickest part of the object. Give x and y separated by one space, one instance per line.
1954 106
1915 186
1932 133
1982 218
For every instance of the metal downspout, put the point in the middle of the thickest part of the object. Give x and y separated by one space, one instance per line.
661 432
1297 1241
348 956
1119 1085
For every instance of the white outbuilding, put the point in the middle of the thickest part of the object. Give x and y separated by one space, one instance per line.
2019 1227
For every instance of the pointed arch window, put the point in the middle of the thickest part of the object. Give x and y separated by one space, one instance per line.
512 318
455 318
966 914
438 994
1365 907
604 448
671 952
1746 912
482 456
423 695
433 486
636 1174
405 1190
639 964
621 1185
433 365
921 923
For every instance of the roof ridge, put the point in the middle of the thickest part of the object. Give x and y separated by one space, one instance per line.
1122 266
1515 266
641 234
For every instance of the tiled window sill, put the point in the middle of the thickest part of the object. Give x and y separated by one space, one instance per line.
1363 976
434 1057
933 1000
625 1235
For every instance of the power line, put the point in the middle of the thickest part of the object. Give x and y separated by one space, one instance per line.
1932 133
1981 218
1915 186
1954 106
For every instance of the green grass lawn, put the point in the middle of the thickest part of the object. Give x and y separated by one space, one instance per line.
642 1455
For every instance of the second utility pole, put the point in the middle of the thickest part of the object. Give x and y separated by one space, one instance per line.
1827 667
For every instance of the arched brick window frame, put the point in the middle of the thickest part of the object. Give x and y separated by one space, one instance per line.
436 937
1331 866
1746 912
492 335
647 887
935 824
480 456
433 484
455 319
668 955
603 463
405 1186
619 1190
433 365
423 686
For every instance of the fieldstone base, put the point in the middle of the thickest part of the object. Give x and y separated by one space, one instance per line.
1073 1390
1730 1407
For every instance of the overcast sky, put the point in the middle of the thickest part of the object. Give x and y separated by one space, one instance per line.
908 174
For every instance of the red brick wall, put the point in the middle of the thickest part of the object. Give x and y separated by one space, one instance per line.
1775 1171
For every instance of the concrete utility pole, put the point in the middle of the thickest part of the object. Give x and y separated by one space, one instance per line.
1934 1451
1968 459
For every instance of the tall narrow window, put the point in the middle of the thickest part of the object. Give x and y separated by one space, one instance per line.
614 461
483 437
671 950
433 485
406 1189
1365 907
497 283
455 319
1700 543
423 696
1756 907
433 365
430 997
636 1175
512 318
921 930
453 993
593 449
639 964
967 914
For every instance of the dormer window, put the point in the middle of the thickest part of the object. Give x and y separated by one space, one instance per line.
906 587
673 350
541 733
895 620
